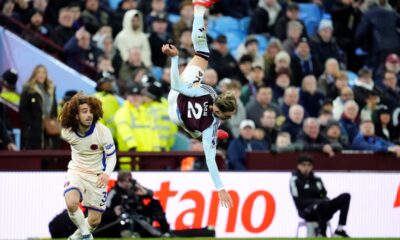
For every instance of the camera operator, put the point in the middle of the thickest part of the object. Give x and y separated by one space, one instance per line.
128 199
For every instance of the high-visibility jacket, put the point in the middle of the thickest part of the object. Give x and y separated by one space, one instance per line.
163 125
11 97
135 131
110 107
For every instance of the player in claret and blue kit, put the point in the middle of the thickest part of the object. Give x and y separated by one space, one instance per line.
195 106
93 161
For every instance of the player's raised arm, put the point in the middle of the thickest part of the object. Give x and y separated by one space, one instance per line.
210 150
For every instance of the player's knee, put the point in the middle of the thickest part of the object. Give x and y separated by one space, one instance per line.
345 197
72 206
94 221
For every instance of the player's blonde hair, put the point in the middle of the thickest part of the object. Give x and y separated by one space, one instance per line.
226 102
71 109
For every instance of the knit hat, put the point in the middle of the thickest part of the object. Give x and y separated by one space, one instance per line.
325 23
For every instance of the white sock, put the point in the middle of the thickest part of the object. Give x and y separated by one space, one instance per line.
91 229
76 235
78 219
199 11
340 228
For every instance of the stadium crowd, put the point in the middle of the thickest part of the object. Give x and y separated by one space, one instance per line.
295 93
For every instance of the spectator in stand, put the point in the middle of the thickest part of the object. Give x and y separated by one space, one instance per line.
157 38
268 125
64 31
80 51
264 17
211 78
132 66
234 8
281 62
340 83
291 14
303 63
367 140
392 63
294 123
119 13
290 98
103 32
312 202
329 76
346 94
6 142
166 80
244 143
262 101
310 97
273 48
38 101
312 140
382 25
36 29
282 82
185 45
222 60
346 15
111 52
364 84
93 17
369 111
324 45
294 33
185 21
284 144
133 29
158 8
104 65
249 91
250 47
324 117
240 114
21 10
245 63
334 135
40 5
105 93
350 119
75 8
384 127
390 91
8 84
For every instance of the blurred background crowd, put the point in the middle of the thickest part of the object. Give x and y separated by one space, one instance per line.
309 75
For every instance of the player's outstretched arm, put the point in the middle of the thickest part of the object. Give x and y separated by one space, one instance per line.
185 88
210 150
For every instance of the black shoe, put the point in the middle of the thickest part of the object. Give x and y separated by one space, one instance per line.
341 233
320 232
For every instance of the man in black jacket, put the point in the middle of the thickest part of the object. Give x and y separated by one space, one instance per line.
129 200
310 198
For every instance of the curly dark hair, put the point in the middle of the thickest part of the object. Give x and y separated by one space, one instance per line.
71 109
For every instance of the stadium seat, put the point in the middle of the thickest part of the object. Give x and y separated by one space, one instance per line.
244 24
157 72
235 38
262 43
351 78
310 14
212 33
173 18
226 24
114 3
311 227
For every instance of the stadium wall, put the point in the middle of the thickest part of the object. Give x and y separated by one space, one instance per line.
263 204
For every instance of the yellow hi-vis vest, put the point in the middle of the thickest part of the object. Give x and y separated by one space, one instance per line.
110 107
135 130
163 125
11 97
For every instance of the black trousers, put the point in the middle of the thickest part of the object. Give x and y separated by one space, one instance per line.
325 210
154 211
